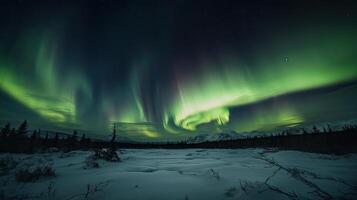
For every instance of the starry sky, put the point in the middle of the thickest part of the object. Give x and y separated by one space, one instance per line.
166 70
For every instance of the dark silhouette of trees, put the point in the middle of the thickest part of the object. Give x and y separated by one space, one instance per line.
74 135
5 131
34 135
315 129
45 141
83 138
33 141
5 134
22 129
324 140
12 133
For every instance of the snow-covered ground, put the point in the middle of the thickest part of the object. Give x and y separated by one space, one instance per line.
186 174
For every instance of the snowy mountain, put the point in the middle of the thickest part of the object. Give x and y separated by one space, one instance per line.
213 137
293 130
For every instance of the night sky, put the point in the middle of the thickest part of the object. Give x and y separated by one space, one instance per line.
166 70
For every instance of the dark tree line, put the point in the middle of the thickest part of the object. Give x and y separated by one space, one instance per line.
322 141
19 140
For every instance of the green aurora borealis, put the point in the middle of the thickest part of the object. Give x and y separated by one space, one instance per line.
296 75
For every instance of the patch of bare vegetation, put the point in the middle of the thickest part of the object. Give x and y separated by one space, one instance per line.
107 154
34 174
6 164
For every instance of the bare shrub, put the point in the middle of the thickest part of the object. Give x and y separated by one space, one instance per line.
107 154
6 164
31 175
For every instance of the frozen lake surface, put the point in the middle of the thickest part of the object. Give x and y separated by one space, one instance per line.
186 174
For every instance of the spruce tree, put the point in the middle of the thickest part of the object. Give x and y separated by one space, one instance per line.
22 129
34 135
5 131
